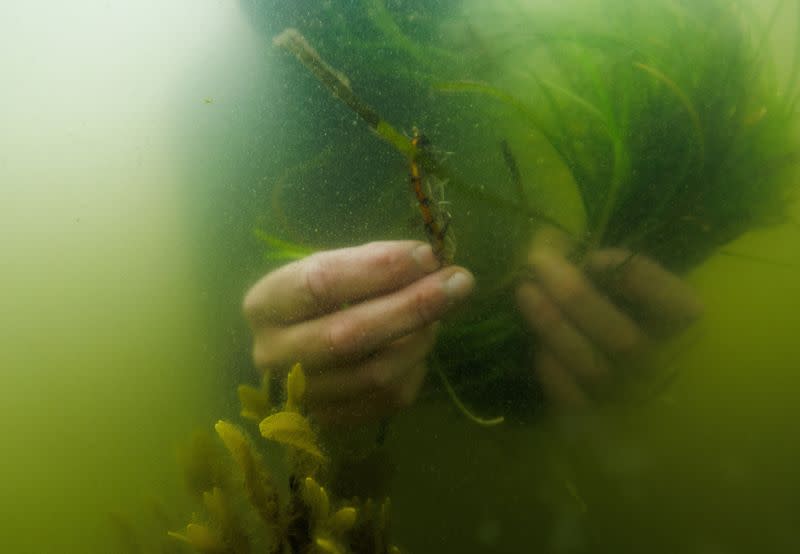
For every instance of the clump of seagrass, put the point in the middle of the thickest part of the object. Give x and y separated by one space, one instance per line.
668 115
420 159
248 509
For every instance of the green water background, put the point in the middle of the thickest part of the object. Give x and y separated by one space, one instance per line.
134 166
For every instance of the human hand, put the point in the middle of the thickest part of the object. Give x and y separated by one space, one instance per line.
597 323
361 320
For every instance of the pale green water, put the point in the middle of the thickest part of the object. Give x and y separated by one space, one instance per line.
709 468
139 145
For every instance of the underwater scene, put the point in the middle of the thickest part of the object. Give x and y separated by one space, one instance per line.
400 276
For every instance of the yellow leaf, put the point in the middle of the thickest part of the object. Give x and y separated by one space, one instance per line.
291 429
316 499
328 546
255 402
295 388
233 438
200 538
178 536
258 484
342 521
214 501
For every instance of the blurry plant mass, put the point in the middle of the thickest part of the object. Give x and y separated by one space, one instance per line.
670 120
668 115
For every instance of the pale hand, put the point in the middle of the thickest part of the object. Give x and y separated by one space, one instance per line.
585 334
361 320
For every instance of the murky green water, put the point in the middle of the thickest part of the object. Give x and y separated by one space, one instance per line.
142 145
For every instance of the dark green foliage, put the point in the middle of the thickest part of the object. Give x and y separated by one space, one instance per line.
669 117
673 125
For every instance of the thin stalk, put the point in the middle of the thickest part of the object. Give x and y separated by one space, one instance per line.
767 31
294 42
559 145
581 176
587 106
385 23
666 198
684 100
618 180
281 249
621 167
484 422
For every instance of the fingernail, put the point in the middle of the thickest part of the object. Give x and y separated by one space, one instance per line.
459 285
423 255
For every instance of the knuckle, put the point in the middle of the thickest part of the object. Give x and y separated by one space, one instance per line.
572 290
540 310
380 380
386 257
342 337
628 342
547 315
423 306
317 278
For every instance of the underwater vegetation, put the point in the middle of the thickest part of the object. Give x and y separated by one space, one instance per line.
671 119
247 508
263 496
669 116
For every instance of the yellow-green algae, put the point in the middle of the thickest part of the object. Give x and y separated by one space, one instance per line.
246 508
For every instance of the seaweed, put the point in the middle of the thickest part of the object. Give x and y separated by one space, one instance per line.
636 99
247 508
667 115
686 140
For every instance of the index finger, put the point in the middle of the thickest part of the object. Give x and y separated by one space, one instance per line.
338 339
326 280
